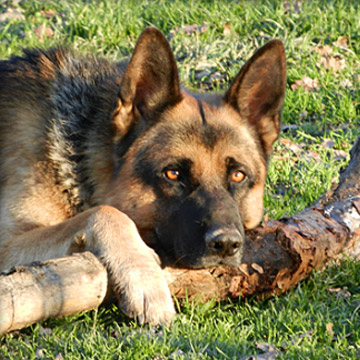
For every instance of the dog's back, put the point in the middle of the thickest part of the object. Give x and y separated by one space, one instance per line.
51 104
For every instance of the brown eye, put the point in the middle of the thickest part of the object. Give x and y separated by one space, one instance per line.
237 176
172 174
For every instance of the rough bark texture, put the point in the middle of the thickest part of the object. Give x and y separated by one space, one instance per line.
278 255
55 288
281 253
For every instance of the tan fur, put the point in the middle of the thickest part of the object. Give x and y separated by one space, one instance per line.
207 160
67 185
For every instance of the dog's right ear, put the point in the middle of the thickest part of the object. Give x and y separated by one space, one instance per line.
257 92
151 80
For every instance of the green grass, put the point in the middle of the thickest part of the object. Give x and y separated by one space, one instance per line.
296 324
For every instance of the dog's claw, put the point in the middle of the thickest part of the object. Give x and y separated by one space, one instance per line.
141 319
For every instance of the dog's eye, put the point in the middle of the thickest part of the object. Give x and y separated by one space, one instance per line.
172 174
238 176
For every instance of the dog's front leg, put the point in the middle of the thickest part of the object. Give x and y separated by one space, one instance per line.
134 272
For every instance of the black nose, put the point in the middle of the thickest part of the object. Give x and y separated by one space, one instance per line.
223 242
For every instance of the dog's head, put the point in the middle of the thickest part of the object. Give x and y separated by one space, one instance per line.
191 168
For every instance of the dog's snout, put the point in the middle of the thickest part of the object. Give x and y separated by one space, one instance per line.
223 242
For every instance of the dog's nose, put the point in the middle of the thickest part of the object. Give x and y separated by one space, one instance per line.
223 242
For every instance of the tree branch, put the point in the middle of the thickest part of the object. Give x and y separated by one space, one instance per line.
281 253
277 256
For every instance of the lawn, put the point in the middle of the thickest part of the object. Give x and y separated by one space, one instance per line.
319 319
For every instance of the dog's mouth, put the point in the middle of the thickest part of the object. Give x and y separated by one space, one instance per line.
204 262
199 263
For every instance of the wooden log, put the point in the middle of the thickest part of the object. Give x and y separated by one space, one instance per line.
54 288
277 256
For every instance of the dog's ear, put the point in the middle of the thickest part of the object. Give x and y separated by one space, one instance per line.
257 92
151 79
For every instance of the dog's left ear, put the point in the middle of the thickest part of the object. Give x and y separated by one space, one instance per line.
258 91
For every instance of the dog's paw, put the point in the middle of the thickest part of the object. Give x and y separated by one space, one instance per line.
136 277
146 296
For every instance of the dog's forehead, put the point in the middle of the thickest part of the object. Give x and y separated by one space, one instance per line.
205 134
206 126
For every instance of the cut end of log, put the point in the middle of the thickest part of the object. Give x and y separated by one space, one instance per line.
277 256
55 288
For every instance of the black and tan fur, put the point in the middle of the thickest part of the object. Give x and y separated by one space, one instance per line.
90 148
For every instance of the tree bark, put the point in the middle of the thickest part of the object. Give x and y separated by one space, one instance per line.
277 256
281 253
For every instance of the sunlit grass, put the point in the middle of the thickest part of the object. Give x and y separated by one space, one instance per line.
295 324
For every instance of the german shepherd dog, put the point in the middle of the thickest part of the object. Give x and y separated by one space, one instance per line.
119 160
